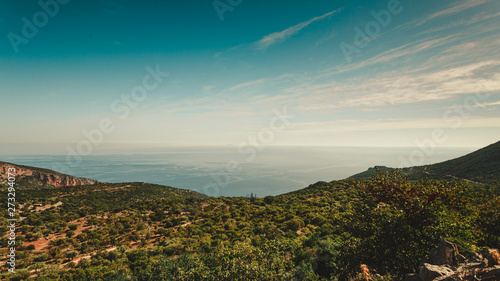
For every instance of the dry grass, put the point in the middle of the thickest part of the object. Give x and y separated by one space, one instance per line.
364 275
496 255
366 272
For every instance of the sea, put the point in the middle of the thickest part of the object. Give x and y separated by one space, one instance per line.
225 171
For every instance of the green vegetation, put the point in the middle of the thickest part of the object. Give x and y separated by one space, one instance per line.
481 166
327 231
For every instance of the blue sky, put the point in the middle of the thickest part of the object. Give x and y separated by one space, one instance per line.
432 65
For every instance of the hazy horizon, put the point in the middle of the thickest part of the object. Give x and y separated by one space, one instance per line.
9 149
273 171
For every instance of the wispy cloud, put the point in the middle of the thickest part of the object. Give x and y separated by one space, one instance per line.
347 125
258 82
478 18
396 88
394 53
208 88
249 84
488 104
467 4
277 37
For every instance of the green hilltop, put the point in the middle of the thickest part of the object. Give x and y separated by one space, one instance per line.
481 166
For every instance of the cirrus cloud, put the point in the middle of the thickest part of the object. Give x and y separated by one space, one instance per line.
280 36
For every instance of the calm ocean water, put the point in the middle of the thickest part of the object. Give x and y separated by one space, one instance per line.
274 171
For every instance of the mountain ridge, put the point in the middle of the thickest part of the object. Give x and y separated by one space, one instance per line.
480 166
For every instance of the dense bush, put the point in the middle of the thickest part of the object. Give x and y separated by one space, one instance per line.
323 232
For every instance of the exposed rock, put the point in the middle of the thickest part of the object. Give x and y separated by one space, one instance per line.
471 273
445 253
492 274
40 177
429 272
446 264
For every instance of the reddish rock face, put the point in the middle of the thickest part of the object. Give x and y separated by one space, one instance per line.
45 177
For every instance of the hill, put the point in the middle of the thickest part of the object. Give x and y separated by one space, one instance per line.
481 166
31 177
340 230
372 171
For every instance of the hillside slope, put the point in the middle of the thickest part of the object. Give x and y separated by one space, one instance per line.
326 231
29 177
481 166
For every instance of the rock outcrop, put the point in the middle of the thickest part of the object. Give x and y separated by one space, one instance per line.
445 263
429 272
445 254
34 177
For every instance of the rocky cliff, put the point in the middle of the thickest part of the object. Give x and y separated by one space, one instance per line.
35 177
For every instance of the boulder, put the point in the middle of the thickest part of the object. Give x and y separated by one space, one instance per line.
429 272
491 273
445 263
445 254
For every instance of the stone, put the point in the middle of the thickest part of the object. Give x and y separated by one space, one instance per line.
429 272
445 254
492 274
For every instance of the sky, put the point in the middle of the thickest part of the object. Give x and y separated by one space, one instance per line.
228 72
